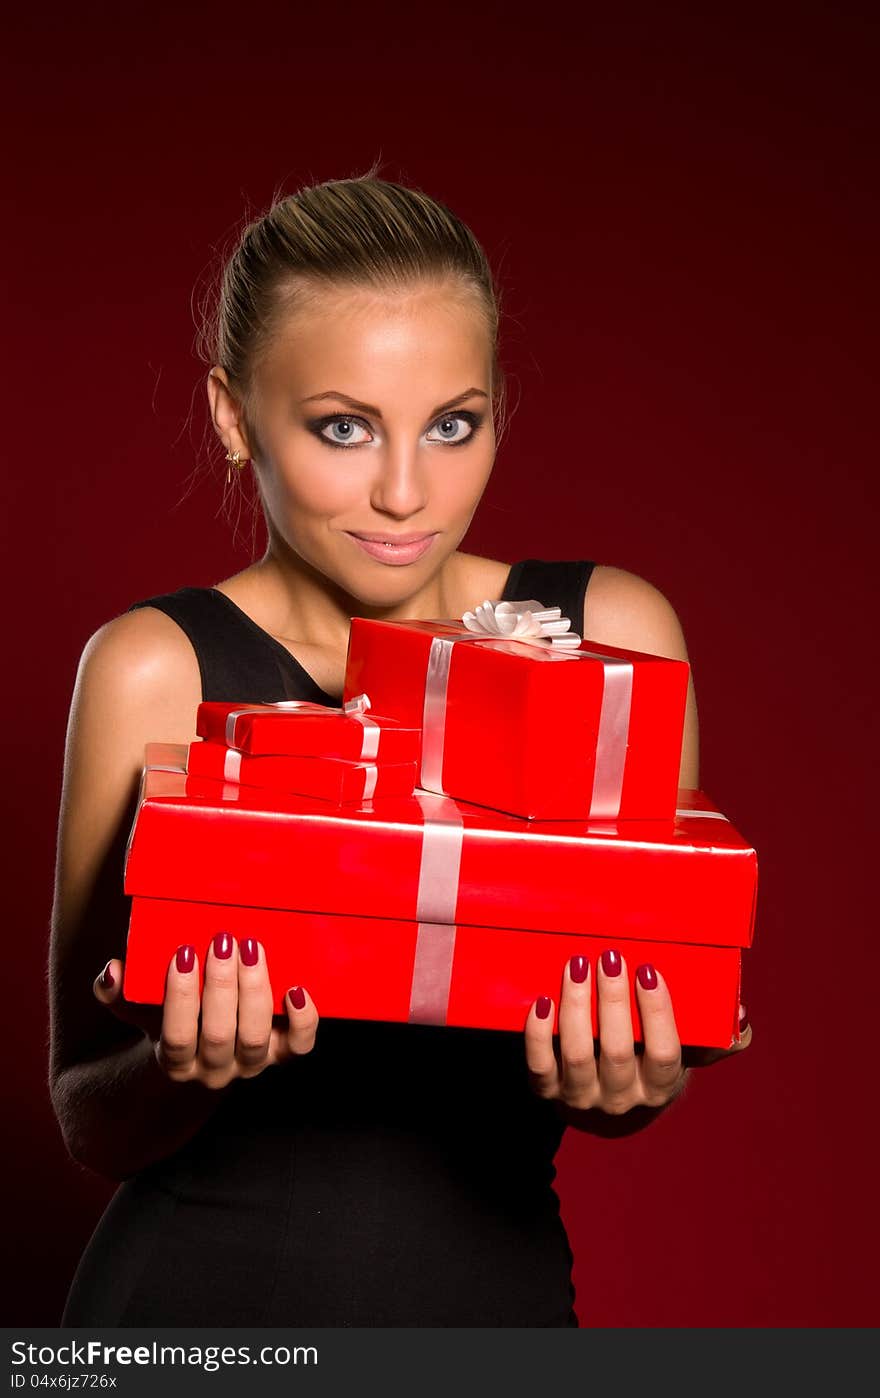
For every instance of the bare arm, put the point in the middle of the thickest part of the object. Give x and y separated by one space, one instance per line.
137 680
131 1084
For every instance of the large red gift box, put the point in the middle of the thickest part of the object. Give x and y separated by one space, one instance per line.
358 732
327 778
429 910
538 730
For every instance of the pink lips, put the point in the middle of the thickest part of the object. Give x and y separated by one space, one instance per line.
395 553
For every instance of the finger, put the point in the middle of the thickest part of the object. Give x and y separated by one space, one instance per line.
541 1061
107 985
745 1034
661 1068
580 1072
178 1038
219 1005
302 1020
254 1007
618 1072
705 1057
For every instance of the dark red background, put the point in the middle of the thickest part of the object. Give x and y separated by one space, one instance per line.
679 204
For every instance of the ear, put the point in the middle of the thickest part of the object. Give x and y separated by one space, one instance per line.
226 410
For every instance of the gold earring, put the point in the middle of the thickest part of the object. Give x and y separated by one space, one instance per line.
236 458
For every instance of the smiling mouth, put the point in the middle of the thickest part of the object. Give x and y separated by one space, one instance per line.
394 542
395 551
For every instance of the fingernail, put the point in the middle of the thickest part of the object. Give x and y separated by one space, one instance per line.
743 1019
542 1007
578 967
297 997
223 945
611 963
186 958
107 978
249 951
647 977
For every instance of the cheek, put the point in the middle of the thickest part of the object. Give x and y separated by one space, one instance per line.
315 490
458 487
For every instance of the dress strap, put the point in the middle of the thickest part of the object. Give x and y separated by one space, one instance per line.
237 660
562 585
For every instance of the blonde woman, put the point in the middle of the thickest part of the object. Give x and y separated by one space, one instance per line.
347 1173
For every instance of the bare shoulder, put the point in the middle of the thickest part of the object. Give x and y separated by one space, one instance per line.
140 668
623 609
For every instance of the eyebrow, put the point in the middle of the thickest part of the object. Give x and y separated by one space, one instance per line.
376 412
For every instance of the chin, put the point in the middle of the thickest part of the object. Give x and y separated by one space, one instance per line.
386 586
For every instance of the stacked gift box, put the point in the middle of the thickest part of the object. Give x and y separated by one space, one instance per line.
343 756
546 821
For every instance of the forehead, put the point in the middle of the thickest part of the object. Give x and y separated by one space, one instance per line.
359 337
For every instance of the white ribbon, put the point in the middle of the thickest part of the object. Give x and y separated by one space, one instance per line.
546 627
436 901
531 622
355 708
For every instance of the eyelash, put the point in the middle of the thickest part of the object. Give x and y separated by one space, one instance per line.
317 427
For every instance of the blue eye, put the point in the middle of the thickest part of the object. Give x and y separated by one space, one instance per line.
348 425
449 419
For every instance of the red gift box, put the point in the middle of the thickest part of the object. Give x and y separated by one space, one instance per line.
540 731
326 778
473 913
298 728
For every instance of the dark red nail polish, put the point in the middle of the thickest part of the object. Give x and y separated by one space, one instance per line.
647 977
611 963
297 997
108 980
743 1019
223 945
249 951
542 1008
186 958
578 968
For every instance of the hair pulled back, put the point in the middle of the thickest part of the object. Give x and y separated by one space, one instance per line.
362 232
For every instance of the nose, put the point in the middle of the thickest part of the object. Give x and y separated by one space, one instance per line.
400 487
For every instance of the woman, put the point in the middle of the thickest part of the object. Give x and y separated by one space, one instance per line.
274 1172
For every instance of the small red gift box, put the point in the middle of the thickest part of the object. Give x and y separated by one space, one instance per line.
532 727
298 728
326 778
471 914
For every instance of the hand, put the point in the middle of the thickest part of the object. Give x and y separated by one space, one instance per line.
617 1078
235 1036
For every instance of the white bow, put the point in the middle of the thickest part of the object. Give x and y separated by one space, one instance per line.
530 622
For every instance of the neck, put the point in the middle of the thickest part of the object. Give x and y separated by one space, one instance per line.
317 611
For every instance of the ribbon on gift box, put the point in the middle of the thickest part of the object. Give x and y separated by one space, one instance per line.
532 624
355 708
436 901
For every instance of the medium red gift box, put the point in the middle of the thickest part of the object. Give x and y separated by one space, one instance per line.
472 913
357 732
326 778
535 727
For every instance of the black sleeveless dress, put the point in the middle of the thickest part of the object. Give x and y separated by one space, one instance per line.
397 1175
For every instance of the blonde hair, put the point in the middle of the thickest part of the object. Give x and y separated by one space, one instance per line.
359 232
